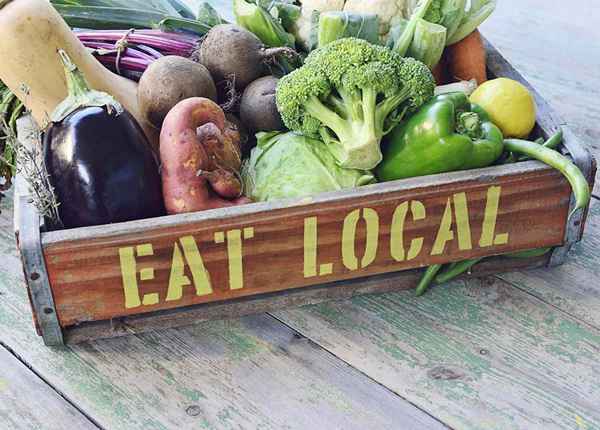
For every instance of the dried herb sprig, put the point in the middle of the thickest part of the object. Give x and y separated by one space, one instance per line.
32 169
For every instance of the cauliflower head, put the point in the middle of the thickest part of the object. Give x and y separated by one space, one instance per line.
303 27
386 10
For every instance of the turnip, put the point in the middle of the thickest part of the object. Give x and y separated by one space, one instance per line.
169 80
258 109
231 52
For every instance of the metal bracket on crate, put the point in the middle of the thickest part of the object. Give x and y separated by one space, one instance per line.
583 159
36 276
550 122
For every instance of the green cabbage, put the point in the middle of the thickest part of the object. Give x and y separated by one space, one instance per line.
289 165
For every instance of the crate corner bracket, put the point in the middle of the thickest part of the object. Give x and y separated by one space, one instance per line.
36 276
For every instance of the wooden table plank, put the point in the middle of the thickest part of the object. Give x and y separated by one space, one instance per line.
555 44
476 356
27 402
247 373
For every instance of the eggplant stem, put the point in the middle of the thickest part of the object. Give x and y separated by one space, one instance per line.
80 94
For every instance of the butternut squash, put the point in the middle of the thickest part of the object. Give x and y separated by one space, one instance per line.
31 32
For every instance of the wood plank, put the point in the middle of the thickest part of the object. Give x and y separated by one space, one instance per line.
477 354
248 373
28 403
561 63
574 286
97 273
405 280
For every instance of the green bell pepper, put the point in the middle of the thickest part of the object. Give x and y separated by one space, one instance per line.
449 133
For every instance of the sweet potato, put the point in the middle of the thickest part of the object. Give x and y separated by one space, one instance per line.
200 158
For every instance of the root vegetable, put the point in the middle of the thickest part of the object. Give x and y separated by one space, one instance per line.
169 80
232 52
258 108
200 158
467 59
224 182
440 71
235 125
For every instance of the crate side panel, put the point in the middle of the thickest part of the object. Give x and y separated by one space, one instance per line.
267 251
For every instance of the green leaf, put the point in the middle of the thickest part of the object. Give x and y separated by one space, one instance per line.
289 165
479 11
259 21
208 15
428 43
107 18
337 25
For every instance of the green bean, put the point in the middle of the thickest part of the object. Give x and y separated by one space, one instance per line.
427 278
456 270
529 253
552 143
579 185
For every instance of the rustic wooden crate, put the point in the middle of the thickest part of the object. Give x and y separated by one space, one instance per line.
126 278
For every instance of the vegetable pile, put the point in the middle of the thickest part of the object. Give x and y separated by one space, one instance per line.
150 109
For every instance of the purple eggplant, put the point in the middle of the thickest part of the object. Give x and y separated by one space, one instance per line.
98 159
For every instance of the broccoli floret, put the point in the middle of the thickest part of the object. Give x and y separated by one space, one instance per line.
352 93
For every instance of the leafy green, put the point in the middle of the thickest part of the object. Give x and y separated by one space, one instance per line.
185 25
429 43
402 44
336 25
255 18
289 165
448 13
209 15
478 12
182 9
107 18
286 12
120 14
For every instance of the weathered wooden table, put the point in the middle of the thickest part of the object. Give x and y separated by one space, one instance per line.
514 351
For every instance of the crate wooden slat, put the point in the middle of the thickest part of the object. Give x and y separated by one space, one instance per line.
128 277
231 253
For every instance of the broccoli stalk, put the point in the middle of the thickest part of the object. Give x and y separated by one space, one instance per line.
360 147
352 93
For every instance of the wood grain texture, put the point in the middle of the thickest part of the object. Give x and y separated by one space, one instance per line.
477 354
247 373
28 403
556 46
229 309
88 279
574 286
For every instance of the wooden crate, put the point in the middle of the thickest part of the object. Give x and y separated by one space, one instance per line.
124 278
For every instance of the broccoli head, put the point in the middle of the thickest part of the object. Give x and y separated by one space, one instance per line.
352 93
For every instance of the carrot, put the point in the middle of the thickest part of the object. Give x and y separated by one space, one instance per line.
440 72
467 59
